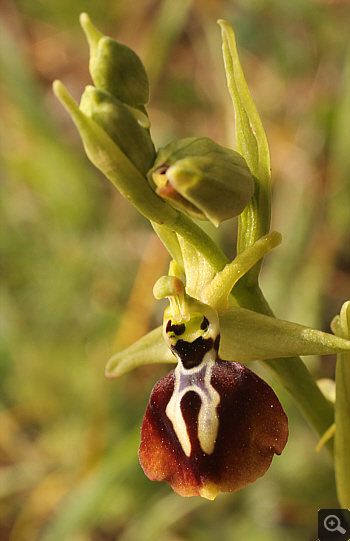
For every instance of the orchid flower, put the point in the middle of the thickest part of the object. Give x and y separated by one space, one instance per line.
211 424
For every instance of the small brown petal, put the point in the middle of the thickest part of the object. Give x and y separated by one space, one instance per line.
252 428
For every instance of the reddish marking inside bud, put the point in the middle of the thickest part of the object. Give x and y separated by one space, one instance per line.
167 191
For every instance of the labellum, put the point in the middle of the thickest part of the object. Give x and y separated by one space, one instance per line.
210 425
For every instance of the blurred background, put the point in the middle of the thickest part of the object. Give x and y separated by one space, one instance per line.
78 263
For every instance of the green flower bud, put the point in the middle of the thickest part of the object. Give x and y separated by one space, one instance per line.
120 124
115 68
202 178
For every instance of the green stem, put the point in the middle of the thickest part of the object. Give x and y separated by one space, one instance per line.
341 327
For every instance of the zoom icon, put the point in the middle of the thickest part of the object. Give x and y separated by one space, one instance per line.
333 525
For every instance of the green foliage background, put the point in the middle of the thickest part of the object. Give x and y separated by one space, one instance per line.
78 263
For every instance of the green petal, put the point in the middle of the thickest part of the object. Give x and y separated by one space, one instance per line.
216 293
341 326
248 336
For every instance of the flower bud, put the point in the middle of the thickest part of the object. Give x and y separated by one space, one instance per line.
202 178
115 68
120 124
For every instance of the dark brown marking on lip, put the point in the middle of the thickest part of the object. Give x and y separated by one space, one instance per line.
176 329
217 343
204 324
192 353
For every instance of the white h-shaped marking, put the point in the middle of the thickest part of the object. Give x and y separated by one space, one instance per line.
196 379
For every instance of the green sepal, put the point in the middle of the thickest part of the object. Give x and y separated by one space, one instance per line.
150 349
121 125
250 336
196 266
245 336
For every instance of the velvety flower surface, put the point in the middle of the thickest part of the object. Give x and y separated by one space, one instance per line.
252 427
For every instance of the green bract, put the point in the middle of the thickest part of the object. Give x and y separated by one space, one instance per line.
202 178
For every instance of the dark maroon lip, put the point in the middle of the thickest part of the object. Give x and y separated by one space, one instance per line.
252 428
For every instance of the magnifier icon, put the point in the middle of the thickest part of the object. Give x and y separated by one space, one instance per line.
332 524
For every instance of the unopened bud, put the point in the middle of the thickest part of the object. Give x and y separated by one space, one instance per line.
202 178
121 125
115 68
